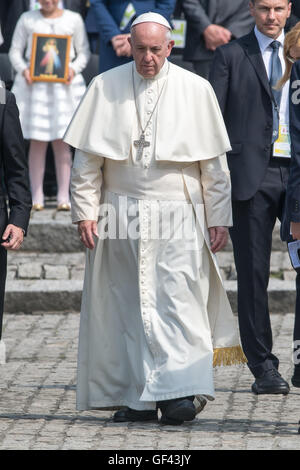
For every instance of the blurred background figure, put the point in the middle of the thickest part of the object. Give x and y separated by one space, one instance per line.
47 108
113 19
212 23
295 15
11 10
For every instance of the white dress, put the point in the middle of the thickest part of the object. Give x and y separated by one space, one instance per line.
47 108
145 332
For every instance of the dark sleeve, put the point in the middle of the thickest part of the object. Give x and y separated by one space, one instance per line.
15 165
219 77
195 13
293 188
165 7
106 24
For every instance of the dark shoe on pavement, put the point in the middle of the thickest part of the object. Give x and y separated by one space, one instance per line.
296 377
270 383
128 414
177 411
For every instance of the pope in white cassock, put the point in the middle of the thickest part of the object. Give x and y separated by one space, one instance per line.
151 196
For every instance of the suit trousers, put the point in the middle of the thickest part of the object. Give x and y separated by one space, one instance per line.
3 265
251 234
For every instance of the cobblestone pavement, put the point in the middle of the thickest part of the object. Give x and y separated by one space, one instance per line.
37 399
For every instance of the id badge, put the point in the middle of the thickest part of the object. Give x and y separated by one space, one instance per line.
282 146
127 17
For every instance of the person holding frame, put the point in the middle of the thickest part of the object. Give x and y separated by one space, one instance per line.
46 104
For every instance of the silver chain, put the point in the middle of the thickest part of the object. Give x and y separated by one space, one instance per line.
137 111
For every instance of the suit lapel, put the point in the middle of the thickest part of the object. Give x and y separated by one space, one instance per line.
252 51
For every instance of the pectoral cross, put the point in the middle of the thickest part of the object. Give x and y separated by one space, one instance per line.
141 144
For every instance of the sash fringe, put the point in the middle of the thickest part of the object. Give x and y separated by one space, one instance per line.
229 356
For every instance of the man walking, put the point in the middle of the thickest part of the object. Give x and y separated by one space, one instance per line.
256 115
155 316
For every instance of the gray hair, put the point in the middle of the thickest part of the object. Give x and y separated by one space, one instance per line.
168 31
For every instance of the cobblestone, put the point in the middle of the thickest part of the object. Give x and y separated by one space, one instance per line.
37 399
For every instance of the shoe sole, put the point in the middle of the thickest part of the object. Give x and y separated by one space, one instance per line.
269 392
124 420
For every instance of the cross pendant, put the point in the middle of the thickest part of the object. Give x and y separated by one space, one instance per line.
141 144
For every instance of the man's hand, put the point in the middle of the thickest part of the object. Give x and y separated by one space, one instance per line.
215 36
218 238
295 229
26 74
121 45
13 237
87 229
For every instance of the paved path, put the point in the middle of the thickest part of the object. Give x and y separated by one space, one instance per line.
37 399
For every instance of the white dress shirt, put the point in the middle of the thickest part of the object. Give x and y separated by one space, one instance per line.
266 51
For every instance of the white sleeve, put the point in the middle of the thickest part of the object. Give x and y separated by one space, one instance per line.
216 186
81 47
86 182
18 46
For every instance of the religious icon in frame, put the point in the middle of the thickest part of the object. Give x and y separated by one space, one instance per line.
50 57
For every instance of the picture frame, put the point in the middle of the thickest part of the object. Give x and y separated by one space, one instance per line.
50 58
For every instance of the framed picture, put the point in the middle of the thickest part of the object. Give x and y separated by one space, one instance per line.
50 57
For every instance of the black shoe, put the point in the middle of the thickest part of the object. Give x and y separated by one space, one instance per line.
271 382
296 377
128 414
177 411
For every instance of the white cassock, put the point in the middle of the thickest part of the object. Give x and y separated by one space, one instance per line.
155 317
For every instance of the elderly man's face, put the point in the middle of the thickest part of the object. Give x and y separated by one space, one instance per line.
150 47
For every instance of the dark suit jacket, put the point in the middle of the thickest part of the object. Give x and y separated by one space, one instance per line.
232 14
108 15
13 164
292 202
14 174
11 10
240 81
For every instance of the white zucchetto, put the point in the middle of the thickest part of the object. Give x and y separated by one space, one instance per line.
151 17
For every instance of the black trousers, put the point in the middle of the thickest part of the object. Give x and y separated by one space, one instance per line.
3 265
251 234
